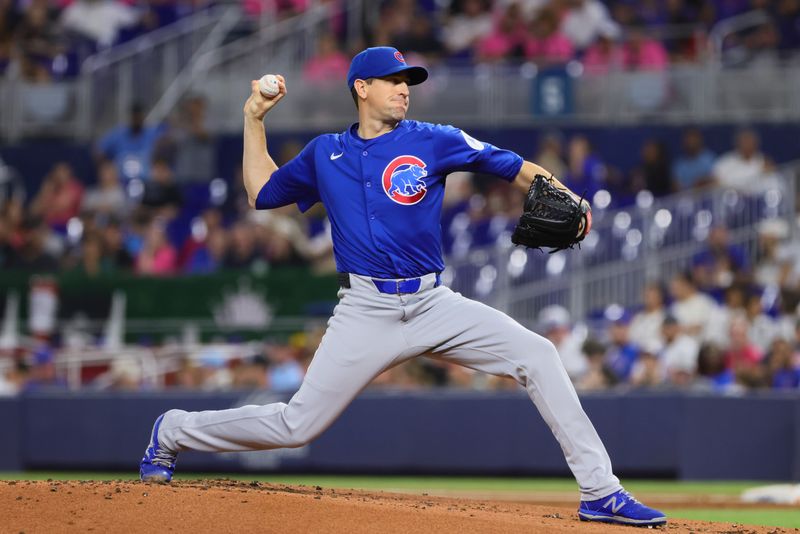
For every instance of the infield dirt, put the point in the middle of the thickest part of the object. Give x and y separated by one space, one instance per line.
219 506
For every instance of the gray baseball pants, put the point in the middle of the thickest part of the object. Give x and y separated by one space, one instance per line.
370 332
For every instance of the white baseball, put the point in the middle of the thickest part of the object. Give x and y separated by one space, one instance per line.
268 85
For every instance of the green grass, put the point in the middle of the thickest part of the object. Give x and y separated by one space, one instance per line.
415 483
787 518
772 517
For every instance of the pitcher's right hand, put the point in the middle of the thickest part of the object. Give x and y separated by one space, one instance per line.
257 104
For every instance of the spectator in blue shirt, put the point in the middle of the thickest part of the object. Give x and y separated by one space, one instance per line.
43 374
692 168
783 371
720 263
622 353
131 146
585 170
285 373
711 370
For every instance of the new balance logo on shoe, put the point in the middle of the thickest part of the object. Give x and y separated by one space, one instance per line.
613 503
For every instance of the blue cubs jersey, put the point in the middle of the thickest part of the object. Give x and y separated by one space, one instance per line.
384 195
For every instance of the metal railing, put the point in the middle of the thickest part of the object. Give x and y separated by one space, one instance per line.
515 95
193 70
158 68
187 341
110 81
139 71
143 70
653 240
731 26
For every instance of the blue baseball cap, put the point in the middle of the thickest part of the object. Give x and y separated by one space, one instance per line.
383 61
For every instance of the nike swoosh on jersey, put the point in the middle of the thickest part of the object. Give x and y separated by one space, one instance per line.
336 156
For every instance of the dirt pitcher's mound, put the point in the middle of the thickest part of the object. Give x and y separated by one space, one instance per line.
217 506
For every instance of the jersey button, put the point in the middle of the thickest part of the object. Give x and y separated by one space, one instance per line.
372 217
364 153
369 184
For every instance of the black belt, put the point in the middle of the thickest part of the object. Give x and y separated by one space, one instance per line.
391 287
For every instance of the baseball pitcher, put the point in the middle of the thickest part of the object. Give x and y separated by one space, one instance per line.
382 182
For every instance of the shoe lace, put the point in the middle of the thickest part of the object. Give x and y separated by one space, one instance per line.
162 458
630 497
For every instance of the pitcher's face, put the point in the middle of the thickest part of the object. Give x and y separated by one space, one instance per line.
389 96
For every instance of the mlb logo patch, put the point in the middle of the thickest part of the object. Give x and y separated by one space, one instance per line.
403 180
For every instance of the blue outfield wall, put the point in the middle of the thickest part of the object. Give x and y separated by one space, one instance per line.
11 437
659 434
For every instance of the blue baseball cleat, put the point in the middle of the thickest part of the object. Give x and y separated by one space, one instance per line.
157 465
621 508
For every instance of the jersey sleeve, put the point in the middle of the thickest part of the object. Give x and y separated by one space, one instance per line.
294 182
458 151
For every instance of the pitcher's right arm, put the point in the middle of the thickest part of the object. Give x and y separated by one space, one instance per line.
257 164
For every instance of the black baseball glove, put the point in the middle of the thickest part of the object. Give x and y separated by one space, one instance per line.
552 218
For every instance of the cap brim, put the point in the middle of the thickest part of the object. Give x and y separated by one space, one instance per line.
416 75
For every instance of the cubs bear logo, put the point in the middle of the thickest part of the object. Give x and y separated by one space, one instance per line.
403 180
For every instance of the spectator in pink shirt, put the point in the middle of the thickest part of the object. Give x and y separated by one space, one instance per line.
59 198
158 257
742 356
329 65
643 53
546 44
507 37
603 56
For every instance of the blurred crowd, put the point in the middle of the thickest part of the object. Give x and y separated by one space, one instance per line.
220 366
157 208
479 210
604 35
726 340
728 324
42 40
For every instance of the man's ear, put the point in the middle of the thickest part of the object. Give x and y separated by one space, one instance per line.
361 88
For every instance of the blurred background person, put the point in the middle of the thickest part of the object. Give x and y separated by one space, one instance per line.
721 263
694 165
189 146
654 173
622 352
157 257
586 20
598 376
551 153
585 171
131 146
679 355
745 168
645 326
555 324
59 198
469 21
690 308
107 198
